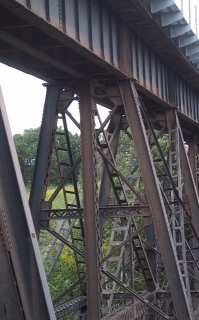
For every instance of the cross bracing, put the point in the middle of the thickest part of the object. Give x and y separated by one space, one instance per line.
129 223
135 253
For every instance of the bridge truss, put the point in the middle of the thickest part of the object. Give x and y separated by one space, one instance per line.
131 225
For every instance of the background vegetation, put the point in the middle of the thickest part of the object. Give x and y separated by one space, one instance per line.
26 146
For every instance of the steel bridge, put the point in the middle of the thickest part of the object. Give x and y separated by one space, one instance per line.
130 223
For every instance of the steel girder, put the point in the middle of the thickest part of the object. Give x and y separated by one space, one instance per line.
179 28
24 292
97 40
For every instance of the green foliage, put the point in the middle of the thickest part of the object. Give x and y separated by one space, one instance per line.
64 274
26 147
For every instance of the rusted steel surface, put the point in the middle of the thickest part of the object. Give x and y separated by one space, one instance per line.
62 41
149 213
155 199
25 285
91 203
43 153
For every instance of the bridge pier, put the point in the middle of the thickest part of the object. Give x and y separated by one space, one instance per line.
132 228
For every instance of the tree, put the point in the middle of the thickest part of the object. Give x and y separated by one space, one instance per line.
26 147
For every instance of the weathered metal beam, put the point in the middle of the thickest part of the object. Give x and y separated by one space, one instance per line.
178 30
10 304
20 45
70 306
20 239
192 154
94 34
187 40
113 128
45 147
194 57
104 212
156 204
192 49
157 5
91 204
151 255
191 190
168 18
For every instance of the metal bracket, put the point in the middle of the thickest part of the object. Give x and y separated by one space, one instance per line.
168 18
157 5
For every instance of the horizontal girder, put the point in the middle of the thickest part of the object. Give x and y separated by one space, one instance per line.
74 41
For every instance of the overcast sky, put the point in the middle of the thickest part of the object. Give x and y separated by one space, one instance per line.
24 95
24 98
194 5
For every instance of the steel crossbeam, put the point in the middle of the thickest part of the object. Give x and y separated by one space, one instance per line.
70 306
104 212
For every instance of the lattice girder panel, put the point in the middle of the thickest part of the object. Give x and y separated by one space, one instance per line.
127 202
65 195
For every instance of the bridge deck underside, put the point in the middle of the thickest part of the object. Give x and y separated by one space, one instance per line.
98 40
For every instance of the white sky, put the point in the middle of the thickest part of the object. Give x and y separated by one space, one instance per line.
24 95
24 98
184 6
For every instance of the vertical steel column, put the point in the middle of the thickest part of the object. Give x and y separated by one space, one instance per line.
192 153
192 197
177 213
151 255
156 204
190 187
191 141
90 200
44 151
